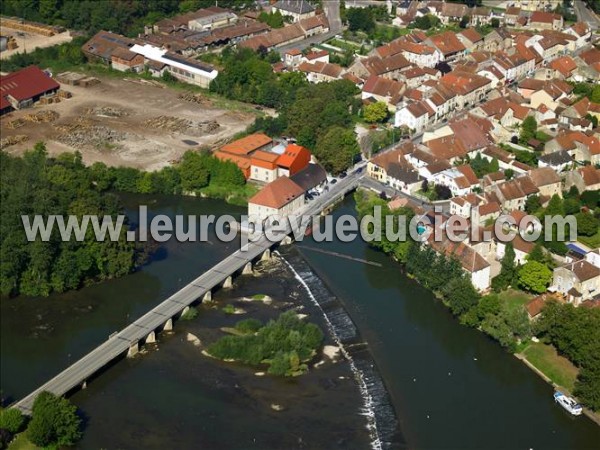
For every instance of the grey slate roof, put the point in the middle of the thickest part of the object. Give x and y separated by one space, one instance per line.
556 158
310 177
403 174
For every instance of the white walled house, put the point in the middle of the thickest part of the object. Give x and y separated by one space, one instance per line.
414 115
281 197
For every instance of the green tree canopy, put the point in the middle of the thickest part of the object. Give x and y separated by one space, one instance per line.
376 112
528 129
12 420
587 224
55 421
360 19
534 277
337 149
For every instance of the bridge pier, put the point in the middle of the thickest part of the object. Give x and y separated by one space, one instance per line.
84 385
228 282
168 325
207 297
266 255
133 349
247 269
151 338
185 310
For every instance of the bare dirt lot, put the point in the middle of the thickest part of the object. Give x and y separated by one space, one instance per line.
124 122
29 41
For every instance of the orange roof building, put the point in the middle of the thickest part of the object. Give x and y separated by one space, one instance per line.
248 144
280 197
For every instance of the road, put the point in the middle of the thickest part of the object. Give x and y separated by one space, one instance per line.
584 14
119 343
332 11
377 186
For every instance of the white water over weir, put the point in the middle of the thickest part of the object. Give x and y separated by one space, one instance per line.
381 418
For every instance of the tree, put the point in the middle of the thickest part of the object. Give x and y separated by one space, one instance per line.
537 254
495 22
337 149
426 22
555 206
193 171
464 22
508 269
360 19
274 20
12 420
55 421
571 205
376 112
461 295
587 387
528 129
592 119
587 224
533 204
442 192
534 277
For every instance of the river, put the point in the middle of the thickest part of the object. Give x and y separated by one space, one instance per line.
451 386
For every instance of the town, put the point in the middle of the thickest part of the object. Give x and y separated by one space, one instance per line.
438 109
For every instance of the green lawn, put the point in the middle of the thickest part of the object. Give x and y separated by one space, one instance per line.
558 368
236 196
590 241
21 443
515 299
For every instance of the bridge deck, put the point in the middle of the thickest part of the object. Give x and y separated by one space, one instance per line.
77 373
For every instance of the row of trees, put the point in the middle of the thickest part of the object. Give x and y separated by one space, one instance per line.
588 222
575 332
284 344
123 16
320 116
55 422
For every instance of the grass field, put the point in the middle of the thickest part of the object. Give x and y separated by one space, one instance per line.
558 368
590 241
515 299
21 443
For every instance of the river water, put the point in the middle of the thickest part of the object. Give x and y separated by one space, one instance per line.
451 387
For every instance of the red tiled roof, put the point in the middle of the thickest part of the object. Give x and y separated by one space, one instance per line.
544 17
384 87
447 43
469 174
293 152
25 84
472 35
247 144
278 193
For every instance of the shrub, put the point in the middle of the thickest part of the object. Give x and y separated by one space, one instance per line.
11 420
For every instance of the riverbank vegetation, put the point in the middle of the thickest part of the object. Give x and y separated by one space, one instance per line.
37 184
574 332
55 423
284 344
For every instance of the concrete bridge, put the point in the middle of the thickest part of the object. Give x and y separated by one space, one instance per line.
162 317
